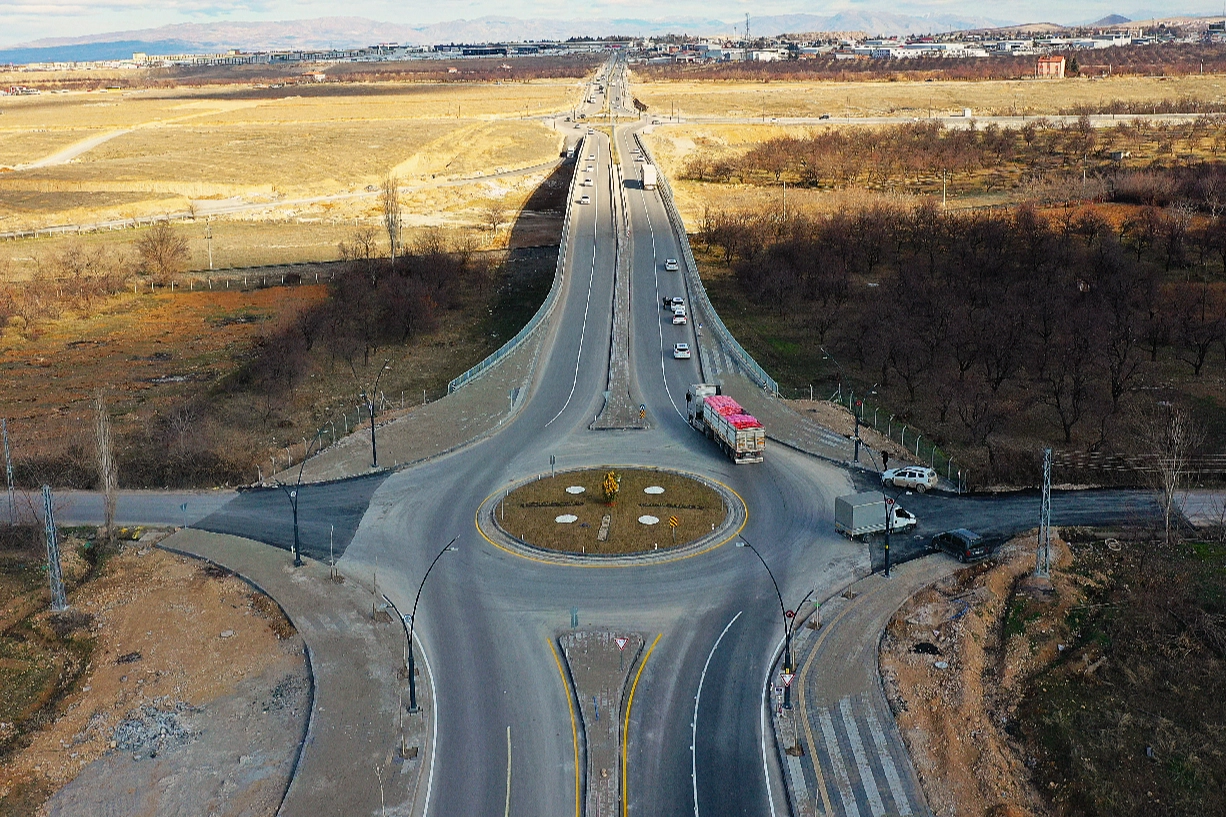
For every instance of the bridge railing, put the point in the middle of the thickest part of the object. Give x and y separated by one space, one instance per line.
551 300
697 290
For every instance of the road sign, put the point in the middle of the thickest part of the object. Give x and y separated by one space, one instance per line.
790 614
642 414
673 521
621 642
890 502
787 678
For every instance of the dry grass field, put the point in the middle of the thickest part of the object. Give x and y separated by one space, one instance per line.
167 149
921 99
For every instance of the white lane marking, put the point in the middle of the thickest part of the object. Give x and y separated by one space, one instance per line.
694 723
770 668
655 271
507 811
836 761
867 781
901 801
434 737
586 307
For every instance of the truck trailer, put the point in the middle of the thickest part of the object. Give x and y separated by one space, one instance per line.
722 419
865 514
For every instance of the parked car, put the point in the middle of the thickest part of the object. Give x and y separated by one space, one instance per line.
672 302
913 477
681 351
966 545
671 265
679 316
585 200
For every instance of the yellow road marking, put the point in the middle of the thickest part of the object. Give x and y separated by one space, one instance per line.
544 560
626 728
802 699
574 732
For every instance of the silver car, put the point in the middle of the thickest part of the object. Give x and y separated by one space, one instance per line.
912 477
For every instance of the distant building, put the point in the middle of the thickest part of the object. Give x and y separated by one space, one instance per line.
1051 67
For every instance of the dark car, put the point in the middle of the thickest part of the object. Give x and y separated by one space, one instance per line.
967 545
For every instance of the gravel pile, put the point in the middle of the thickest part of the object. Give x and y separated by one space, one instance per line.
152 728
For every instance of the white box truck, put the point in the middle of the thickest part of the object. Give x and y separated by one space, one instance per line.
649 177
865 514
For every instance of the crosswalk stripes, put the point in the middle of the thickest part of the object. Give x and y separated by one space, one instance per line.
865 776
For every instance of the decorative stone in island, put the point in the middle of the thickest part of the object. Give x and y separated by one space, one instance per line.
565 519
653 489
647 519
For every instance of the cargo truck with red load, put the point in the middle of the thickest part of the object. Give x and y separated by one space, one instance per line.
722 419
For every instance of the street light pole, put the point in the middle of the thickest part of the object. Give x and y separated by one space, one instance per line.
369 397
413 622
787 630
292 494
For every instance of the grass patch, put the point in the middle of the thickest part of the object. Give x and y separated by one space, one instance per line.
530 511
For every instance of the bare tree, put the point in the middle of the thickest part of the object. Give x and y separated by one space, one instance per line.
162 252
1168 436
360 247
494 214
389 201
108 479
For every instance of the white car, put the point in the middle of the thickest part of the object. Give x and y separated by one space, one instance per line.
587 169
681 351
671 265
913 477
679 317
591 157
591 131
587 182
585 200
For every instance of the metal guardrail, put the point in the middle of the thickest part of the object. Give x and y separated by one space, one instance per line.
698 291
551 300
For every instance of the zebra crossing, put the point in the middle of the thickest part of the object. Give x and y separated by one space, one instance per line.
853 765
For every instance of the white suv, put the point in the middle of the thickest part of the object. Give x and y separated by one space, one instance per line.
671 265
914 477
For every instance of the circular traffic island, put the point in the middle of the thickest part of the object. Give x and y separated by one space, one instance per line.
612 512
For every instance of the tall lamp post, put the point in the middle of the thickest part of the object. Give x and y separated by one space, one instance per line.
450 547
292 494
827 356
787 622
369 397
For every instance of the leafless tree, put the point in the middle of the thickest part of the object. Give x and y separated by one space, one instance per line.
361 247
389 202
108 479
162 252
494 214
1169 436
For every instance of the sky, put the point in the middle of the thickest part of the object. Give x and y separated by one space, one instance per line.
25 20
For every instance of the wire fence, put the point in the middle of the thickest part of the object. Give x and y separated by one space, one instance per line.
698 292
545 310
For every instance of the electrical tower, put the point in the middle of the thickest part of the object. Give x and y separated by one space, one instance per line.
1042 565
58 603
747 28
8 472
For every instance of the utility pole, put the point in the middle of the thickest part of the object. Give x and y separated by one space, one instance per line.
8 472
208 236
1042 566
58 603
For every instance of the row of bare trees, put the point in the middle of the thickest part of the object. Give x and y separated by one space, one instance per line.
982 327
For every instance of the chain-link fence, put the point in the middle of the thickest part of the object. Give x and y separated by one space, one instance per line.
698 292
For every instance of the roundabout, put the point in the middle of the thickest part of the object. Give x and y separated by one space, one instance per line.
612 515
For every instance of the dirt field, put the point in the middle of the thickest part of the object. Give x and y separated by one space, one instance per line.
531 512
919 99
188 676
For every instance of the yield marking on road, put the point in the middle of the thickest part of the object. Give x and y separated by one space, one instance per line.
901 801
836 760
868 783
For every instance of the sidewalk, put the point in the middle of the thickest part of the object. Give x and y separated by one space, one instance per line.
854 761
354 730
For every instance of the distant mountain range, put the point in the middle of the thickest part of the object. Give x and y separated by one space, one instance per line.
350 32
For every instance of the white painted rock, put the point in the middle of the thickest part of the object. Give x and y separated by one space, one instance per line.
575 489
653 489
565 519
648 520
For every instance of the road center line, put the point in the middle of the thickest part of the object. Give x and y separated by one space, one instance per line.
694 724
626 727
574 732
